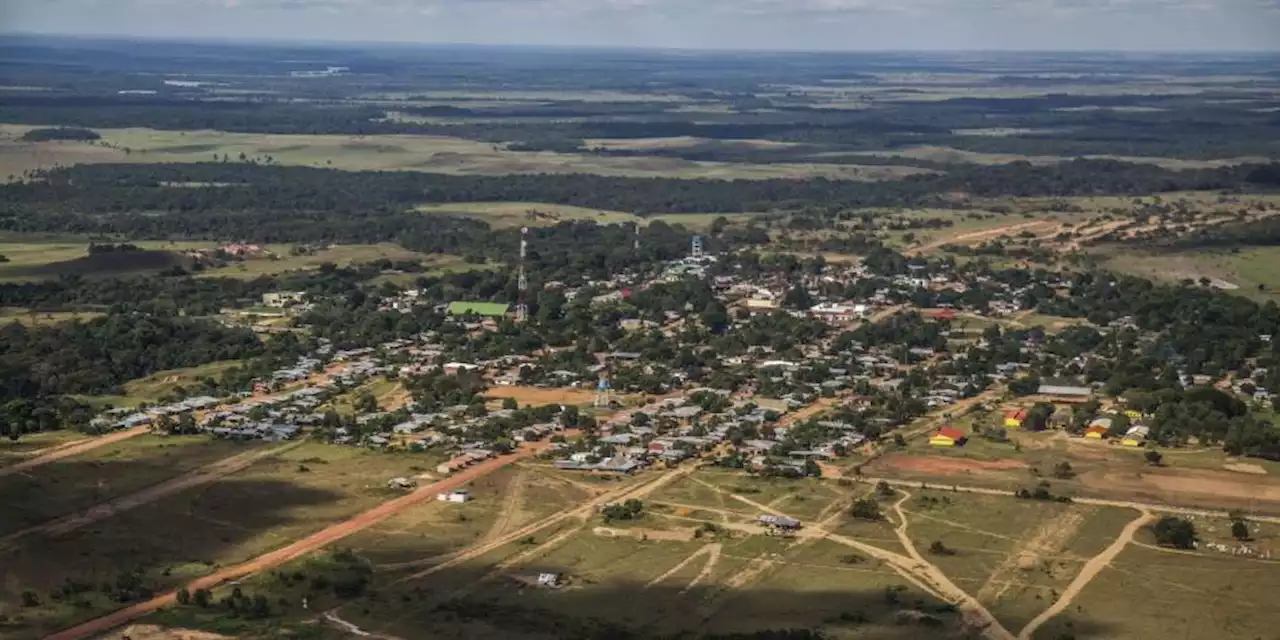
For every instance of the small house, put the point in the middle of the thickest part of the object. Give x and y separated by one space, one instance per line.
1015 419
947 437
459 496
1136 436
1096 432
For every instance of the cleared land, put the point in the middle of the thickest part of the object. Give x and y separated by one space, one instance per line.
950 155
1252 272
1152 593
529 214
392 153
40 258
157 385
32 496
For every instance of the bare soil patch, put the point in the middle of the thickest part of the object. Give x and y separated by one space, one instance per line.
1185 485
152 632
1245 467
949 466
664 535
539 396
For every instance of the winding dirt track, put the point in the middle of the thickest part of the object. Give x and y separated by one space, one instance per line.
1086 575
66 451
300 548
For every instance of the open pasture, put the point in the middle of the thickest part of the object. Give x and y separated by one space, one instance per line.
435 154
274 501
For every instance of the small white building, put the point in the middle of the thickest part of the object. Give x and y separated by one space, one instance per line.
460 495
281 299
549 580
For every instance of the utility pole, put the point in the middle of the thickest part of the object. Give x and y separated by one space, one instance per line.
522 281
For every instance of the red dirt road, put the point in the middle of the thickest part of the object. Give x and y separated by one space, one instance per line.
298 549
66 451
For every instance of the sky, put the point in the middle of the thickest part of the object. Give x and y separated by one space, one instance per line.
1160 25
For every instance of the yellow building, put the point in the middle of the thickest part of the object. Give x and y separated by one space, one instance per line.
947 437
1015 419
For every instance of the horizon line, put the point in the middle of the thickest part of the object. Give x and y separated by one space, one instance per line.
285 40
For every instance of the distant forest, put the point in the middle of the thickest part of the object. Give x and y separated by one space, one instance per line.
1176 126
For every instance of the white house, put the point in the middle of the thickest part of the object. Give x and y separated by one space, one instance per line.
460 495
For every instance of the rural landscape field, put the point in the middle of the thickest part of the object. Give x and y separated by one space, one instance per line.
399 342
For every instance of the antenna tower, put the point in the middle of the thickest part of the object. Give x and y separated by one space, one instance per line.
696 251
636 246
522 281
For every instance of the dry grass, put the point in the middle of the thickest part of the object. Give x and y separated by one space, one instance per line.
528 214
436 154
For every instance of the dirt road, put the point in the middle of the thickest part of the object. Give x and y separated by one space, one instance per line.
203 475
1091 569
582 511
913 567
300 548
66 451
975 237
1139 506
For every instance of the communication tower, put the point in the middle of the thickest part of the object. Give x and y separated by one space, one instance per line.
636 245
522 281
695 251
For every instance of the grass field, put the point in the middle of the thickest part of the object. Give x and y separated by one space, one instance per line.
528 214
1255 272
38 257
274 501
1148 593
80 482
30 317
157 385
15 450
340 255
393 153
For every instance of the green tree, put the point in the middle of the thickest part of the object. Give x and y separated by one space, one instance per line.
1240 530
866 509
1171 531
940 549
510 404
184 597
1154 458
202 598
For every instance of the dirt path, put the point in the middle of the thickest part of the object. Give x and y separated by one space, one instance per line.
914 567
48 450
300 548
710 548
71 449
1045 541
510 506
1100 502
1091 569
587 508
201 476
351 628
706 569
976 236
